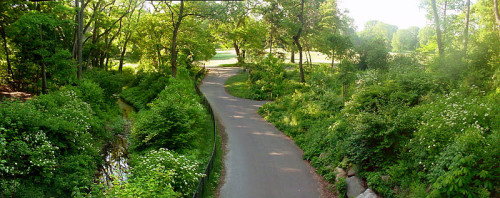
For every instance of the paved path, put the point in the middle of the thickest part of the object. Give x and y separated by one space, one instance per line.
261 161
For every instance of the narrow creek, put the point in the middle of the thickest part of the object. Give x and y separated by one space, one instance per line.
115 165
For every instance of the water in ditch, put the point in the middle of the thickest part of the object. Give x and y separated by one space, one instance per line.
115 167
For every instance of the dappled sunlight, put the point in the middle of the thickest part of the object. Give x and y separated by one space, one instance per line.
268 134
280 153
241 126
212 83
276 153
290 170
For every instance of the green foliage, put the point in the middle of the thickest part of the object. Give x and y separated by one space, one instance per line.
174 118
110 81
39 42
160 173
383 188
144 89
50 145
373 53
407 122
267 79
55 130
341 187
405 40
379 30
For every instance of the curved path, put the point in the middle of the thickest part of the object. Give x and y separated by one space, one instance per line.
261 161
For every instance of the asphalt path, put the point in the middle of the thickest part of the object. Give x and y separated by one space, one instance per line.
260 161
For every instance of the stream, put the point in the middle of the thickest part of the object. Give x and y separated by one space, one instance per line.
115 165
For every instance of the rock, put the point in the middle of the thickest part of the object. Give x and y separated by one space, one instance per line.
340 173
368 194
354 186
352 171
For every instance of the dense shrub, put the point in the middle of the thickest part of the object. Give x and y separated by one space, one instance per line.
144 88
341 187
373 53
54 130
267 79
160 173
378 184
110 81
415 127
174 118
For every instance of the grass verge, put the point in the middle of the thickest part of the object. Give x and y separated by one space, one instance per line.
223 56
216 173
238 86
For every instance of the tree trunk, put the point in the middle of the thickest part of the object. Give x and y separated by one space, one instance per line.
122 55
445 24
497 15
309 53
44 73
95 50
158 54
107 61
237 50
173 50
44 79
102 57
438 27
6 49
466 30
333 62
292 56
80 38
296 39
271 41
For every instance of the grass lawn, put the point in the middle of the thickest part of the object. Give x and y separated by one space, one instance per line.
224 55
238 86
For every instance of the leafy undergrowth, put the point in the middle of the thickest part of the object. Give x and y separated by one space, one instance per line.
50 145
404 128
175 120
144 89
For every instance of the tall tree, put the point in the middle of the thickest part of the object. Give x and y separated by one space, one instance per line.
178 12
405 39
129 31
79 37
379 29
437 26
497 15
238 29
173 47
6 50
296 39
466 29
332 35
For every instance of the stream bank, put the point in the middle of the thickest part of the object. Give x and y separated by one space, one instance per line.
116 150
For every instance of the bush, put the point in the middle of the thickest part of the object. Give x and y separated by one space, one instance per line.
406 121
266 79
53 130
160 173
172 121
375 181
341 187
144 89
110 81
373 53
